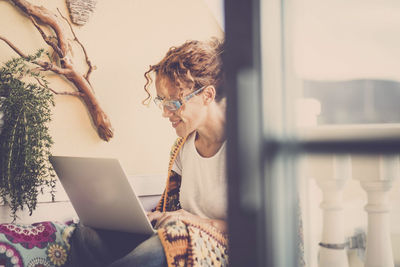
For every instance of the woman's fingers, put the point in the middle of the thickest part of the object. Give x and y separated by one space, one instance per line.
168 217
154 217
160 219
163 219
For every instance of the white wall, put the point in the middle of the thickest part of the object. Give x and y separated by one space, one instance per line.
122 39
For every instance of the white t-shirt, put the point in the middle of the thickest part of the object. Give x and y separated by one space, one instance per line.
203 186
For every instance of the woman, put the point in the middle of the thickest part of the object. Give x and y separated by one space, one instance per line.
191 215
190 93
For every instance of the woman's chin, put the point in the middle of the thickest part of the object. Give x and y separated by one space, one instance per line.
180 132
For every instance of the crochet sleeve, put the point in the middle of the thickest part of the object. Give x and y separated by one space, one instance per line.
177 164
170 198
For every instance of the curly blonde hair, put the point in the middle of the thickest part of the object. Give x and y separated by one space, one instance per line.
192 65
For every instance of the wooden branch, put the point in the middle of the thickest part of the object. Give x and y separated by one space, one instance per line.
46 17
67 93
18 51
89 63
59 93
48 40
43 64
67 69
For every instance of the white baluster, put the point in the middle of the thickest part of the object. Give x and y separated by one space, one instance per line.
379 247
331 174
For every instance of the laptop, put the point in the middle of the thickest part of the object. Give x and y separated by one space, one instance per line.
101 194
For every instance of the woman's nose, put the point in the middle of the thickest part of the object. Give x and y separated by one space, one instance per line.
166 112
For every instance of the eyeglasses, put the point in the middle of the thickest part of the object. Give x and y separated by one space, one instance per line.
174 105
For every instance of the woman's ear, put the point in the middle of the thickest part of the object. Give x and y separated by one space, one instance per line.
209 94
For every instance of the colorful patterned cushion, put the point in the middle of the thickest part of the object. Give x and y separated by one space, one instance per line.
39 244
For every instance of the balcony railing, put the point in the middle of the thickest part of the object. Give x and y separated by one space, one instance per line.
373 173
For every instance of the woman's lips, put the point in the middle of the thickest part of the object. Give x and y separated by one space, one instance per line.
175 123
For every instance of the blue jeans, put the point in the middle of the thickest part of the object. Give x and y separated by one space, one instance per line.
149 253
100 248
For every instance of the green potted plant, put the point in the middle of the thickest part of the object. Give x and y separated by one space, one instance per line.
25 142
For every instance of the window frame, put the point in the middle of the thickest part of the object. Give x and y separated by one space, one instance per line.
260 158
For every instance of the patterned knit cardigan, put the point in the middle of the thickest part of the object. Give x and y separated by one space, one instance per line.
188 243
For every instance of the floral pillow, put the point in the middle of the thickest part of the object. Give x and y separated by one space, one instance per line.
44 244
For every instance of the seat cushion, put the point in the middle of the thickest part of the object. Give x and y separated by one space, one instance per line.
39 244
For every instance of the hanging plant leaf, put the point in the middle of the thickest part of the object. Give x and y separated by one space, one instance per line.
25 141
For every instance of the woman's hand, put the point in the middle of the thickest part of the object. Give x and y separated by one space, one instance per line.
162 218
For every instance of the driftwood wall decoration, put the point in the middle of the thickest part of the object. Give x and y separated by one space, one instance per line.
64 66
80 10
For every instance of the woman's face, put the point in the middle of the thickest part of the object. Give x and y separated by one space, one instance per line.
190 116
